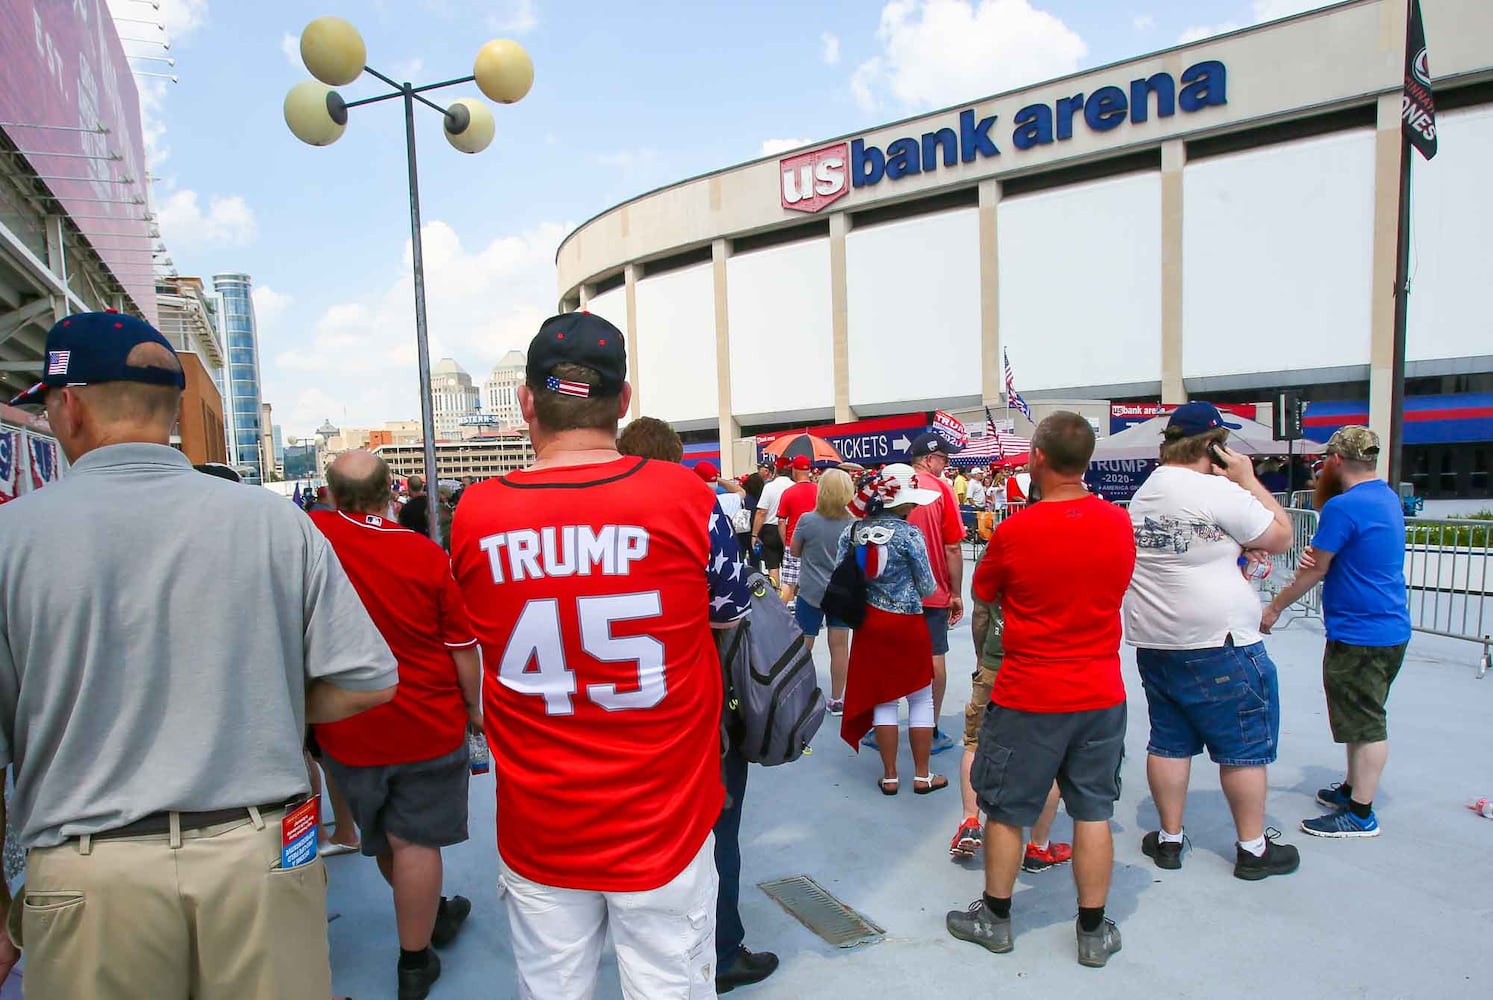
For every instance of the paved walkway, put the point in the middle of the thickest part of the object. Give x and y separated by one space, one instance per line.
1409 914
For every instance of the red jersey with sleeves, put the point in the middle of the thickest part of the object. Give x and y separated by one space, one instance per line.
1059 571
405 583
798 500
940 525
591 594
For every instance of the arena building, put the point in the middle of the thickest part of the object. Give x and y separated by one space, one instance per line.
1216 220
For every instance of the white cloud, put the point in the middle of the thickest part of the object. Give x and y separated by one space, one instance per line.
1142 22
360 354
772 147
938 52
290 45
515 16
270 306
227 222
831 51
1201 31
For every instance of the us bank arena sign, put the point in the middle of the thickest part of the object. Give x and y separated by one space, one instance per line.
814 180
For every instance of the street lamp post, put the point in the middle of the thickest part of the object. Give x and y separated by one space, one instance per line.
335 55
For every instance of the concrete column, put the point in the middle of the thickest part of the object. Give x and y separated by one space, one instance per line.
630 274
1386 235
585 296
57 264
1173 159
990 299
839 311
730 430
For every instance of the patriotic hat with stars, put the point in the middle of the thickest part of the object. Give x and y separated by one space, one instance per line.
578 338
87 348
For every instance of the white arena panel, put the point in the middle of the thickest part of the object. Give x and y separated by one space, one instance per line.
914 309
611 306
676 344
778 311
1449 256
1277 257
1080 283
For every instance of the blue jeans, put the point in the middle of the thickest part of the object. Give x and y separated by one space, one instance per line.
729 932
1226 699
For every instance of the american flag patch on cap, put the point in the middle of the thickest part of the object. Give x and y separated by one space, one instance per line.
567 388
57 362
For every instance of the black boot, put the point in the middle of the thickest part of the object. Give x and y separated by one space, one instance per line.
745 969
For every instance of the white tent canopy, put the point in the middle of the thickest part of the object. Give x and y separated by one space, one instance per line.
1144 441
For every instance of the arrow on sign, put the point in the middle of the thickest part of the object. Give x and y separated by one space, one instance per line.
902 443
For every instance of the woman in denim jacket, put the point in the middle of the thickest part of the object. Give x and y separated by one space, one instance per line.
891 655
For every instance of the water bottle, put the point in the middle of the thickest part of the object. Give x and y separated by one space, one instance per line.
477 750
1483 807
1254 570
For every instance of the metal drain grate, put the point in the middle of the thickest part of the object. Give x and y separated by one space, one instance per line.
813 906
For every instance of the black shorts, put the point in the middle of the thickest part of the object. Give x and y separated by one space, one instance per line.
424 802
1020 754
772 546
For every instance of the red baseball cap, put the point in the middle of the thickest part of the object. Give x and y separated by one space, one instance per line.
707 472
783 463
801 463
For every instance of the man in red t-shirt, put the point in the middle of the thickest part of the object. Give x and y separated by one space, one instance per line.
593 581
403 765
796 501
1060 571
943 534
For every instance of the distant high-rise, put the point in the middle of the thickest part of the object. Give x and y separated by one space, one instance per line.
453 396
500 391
246 442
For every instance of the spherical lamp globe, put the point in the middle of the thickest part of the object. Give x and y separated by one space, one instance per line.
469 125
504 71
315 113
333 51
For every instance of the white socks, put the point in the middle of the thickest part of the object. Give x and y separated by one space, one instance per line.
1255 847
1170 838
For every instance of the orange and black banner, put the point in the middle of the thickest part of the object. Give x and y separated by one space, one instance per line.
1417 104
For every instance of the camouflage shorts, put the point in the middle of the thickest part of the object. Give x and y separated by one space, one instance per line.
1356 680
979 699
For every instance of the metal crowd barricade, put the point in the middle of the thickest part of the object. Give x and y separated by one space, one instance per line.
1283 566
1450 582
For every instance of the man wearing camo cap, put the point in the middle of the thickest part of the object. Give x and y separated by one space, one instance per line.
1358 553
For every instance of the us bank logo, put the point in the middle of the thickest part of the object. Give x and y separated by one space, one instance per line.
810 181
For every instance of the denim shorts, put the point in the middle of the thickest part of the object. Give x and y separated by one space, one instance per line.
1226 699
810 619
938 629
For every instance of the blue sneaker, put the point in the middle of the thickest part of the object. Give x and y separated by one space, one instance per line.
941 742
1341 824
869 740
1332 796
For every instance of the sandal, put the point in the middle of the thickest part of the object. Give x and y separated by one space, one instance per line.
888 786
928 783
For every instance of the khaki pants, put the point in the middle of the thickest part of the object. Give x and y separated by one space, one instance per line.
212 918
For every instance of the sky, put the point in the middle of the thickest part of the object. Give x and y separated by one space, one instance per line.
627 97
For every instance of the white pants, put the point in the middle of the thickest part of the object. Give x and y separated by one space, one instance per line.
665 938
919 710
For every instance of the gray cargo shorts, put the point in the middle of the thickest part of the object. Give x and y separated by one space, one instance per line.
423 802
1020 754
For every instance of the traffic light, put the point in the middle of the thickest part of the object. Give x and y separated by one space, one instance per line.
1290 408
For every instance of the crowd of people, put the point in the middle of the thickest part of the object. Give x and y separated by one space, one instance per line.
170 622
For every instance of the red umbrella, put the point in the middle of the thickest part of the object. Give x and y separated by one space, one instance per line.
793 445
1013 461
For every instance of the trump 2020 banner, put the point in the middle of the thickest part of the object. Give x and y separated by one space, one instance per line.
1417 104
10 481
43 456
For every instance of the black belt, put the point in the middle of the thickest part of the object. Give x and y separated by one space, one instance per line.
160 822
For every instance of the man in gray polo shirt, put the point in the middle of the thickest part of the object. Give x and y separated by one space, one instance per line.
164 639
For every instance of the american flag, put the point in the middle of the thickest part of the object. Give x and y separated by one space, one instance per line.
1011 393
567 388
57 362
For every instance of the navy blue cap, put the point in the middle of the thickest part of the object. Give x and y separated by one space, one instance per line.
932 444
578 338
1194 418
87 348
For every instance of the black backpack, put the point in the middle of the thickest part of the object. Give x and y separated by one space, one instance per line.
845 594
773 703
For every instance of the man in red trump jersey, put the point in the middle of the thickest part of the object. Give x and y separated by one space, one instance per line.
403 766
593 581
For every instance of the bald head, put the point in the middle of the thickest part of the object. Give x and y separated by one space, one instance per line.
359 481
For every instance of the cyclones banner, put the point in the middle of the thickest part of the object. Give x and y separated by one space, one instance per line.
1417 103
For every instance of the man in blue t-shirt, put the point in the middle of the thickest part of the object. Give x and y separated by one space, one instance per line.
1359 550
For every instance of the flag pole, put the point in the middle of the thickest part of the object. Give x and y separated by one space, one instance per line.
1401 320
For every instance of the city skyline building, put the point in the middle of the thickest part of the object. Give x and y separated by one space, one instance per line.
243 399
500 390
453 397
188 319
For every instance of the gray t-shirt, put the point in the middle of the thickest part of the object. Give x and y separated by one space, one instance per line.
158 628
820 537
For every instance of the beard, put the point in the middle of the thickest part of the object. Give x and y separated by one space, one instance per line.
1329 485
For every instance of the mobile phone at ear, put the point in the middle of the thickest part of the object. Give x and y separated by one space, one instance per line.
1215 455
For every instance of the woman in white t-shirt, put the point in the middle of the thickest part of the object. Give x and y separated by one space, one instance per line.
1194 620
